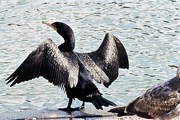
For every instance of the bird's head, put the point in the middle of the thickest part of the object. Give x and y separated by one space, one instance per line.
65 31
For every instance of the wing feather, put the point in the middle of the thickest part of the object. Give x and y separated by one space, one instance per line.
97 73
105 62
74 67
46 61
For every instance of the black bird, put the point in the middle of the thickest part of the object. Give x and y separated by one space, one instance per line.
103 63
157 102
49 62
61 66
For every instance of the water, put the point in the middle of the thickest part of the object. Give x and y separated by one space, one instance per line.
149 30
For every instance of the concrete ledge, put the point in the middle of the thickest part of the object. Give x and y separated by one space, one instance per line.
53 114
87 113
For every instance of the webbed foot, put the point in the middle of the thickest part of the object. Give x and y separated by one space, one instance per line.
70 109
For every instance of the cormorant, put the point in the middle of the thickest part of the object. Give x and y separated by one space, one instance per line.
62 67
49 62
156 102
103 63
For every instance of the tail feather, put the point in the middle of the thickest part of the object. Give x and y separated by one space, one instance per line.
103 102
96 104
120 111
106 102
99 101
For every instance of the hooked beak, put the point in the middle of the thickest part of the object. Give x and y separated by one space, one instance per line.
49 24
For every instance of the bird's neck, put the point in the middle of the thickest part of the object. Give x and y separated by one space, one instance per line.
68 45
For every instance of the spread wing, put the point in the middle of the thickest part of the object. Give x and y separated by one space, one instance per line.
155 102
47 61
97 73
105 62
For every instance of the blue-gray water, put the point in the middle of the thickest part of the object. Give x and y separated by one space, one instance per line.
149 30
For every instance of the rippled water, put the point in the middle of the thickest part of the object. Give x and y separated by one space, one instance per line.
149 30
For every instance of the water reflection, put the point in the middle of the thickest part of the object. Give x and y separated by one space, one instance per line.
149 30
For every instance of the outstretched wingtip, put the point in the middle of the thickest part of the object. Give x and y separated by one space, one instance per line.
9 80
122 54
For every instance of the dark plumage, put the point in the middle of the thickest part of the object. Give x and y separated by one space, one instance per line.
156 102
48 61
64 68
103 63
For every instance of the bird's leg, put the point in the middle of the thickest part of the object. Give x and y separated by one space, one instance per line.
82 106
68 107
69 103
